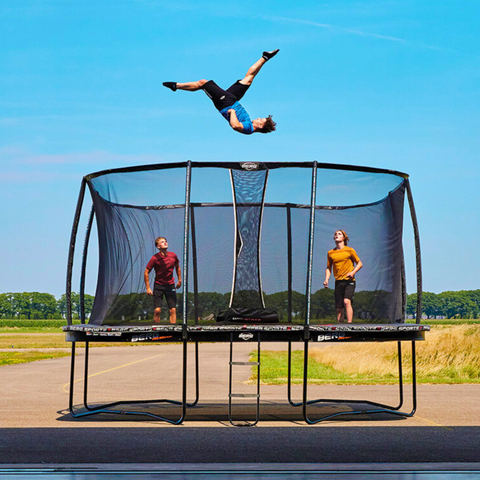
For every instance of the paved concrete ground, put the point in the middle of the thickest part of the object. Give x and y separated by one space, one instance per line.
35 426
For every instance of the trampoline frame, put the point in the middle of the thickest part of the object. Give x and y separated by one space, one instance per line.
186 333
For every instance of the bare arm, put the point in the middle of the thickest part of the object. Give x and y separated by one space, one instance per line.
179 275
234 123
147 281
328 272
358 266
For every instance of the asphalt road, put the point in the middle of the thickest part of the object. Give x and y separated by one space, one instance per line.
36 428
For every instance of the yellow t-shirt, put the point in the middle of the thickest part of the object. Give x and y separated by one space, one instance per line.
343 262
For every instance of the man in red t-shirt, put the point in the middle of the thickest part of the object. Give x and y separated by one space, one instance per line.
163 262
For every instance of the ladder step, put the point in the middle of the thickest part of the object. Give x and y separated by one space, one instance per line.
245 395
244 363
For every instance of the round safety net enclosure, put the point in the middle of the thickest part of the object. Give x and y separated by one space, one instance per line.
252 240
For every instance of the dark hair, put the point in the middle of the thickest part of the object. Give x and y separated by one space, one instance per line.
269 126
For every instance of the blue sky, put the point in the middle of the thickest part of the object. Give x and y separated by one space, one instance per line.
389 84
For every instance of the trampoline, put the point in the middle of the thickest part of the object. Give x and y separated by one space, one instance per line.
252 239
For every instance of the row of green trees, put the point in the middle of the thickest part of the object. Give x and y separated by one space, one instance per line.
460 304
367 305
36 305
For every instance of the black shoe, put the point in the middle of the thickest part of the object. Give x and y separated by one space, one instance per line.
269 55
171 85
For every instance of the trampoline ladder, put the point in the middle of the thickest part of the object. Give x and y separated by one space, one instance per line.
243 423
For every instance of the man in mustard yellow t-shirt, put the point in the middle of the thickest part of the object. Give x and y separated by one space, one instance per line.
346 264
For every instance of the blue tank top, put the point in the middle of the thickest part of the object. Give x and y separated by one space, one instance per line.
242 116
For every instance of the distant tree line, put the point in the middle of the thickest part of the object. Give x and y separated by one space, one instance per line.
370 306
36 305
367 305
461 304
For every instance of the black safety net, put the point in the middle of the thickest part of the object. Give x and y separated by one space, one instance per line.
249 229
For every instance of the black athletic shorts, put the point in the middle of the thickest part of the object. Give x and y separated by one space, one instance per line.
343 289
225 98
159 291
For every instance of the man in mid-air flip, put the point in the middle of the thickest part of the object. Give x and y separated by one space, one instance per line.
226 101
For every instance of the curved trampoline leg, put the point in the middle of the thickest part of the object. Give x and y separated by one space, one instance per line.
414 380
85 378
72 381
289 378
105 408
381 408
400 376
197 381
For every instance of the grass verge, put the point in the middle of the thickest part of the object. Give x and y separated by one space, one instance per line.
450 355
12 358
20 340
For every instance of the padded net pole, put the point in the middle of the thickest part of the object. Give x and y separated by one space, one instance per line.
84 265
185 244
71 251
194 262
311 241
404 291
289 264
418 255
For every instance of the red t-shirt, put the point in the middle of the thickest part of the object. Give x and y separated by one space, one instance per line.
163 266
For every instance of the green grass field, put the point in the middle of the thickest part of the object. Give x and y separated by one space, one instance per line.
20 346
449 355
12 358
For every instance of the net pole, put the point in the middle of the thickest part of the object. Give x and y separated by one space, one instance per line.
185 245
310 241
71 251
84 265
194 262
289 260
418 256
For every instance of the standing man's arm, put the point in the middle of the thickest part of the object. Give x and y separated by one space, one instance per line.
147 281
234 123
179 275
357 262
328 271
358 266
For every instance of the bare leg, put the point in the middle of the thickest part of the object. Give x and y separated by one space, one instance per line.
191 86
255 68
173 315
348 309
340 312
156 315
252 71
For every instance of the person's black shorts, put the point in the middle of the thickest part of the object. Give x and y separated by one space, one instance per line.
159 291
225 98
343 289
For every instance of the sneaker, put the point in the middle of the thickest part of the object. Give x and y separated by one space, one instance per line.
269 55
171 85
